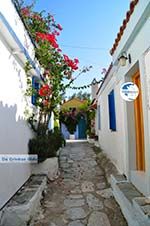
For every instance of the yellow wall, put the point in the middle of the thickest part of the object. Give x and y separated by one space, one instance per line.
74 103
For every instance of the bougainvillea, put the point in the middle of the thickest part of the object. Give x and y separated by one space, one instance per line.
51 38
25 11
71 63
57 67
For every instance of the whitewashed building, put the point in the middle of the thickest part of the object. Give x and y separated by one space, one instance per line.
124 127
15 48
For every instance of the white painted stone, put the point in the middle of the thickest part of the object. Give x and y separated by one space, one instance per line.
91 141
59 151
98 219
1 215
20 214
96 144
87 186
12 219
49 167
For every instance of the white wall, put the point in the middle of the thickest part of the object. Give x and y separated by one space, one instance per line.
116 144
8 10
94 89
14 131
112 142
146 72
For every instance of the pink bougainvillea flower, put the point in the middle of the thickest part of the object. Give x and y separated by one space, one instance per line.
45 102
56 33
55 45
40 36
59 27
25 11
59 50
66 58
52 18
37 17
76 61
46 73
71 63
51 38
45 90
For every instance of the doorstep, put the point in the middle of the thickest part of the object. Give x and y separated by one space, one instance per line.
135 207
20 210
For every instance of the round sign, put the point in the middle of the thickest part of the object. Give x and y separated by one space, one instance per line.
129 91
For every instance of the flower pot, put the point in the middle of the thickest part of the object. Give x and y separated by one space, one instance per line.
72 137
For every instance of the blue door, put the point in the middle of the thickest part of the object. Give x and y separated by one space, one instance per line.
82 128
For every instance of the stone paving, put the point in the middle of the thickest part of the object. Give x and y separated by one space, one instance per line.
82 195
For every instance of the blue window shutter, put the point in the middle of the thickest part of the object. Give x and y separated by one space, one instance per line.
35 85
112 113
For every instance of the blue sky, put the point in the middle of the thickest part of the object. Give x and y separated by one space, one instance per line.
91 24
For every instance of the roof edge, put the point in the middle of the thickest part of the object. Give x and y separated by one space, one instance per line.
123 26
106 75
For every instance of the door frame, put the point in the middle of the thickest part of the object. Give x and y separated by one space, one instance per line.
139 125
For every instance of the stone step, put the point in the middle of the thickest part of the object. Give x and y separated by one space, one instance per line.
129 191
133 204
24 204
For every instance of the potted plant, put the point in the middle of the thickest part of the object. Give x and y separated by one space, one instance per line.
46 146
71 124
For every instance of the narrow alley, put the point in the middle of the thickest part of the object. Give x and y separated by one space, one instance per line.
81 196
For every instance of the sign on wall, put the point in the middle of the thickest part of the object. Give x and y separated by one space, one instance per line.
129 91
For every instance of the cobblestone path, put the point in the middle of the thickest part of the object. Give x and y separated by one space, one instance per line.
81 196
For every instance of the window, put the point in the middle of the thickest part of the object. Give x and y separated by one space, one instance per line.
35 85
99 117
112 113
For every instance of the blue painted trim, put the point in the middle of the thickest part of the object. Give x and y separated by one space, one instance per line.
16 39
112 111
35 86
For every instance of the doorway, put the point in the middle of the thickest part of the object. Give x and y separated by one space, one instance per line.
139 128
82 128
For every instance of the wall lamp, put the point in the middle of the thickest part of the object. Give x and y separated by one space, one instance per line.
123 59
